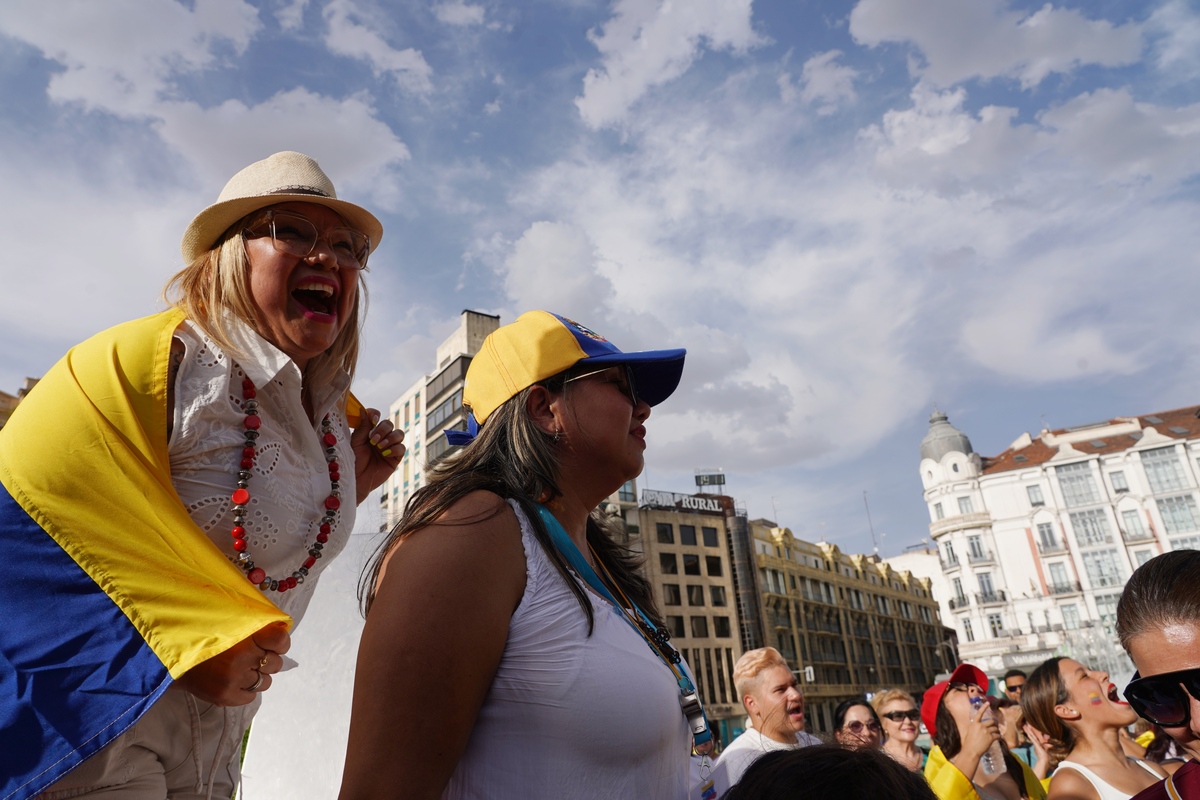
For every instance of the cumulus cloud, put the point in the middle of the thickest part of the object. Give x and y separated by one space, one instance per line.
963 39
350 35
553 266
826 83
645 45
1175 27
290 14
458 12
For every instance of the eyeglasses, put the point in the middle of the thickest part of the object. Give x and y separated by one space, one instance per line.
1163 699
857 727
296 235
912 715
621 375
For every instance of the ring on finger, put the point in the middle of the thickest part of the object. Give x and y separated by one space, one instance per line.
256 684
262 662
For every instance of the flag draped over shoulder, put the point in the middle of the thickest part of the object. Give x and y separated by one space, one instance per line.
108 590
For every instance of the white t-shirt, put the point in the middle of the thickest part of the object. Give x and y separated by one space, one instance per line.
745 750
570 715
290 479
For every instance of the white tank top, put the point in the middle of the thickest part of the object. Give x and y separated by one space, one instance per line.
290 478
569 715
1103 787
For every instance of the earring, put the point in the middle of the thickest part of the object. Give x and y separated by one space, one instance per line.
557 436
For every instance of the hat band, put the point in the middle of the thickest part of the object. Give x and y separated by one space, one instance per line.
298 190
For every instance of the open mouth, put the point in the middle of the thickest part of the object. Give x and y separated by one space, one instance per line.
317 297
1114 696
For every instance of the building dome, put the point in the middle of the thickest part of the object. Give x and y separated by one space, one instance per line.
943 438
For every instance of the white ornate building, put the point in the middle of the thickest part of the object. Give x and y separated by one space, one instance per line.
1036 543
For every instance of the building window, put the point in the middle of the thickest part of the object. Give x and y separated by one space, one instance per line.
691 565
1117 479
985 584
1106 607
671 594
1103 568
699 627
667 564
938 513
1164 470
951 558
695 595
713 565
1070 616
1186 543
675 626
1077 485
1091 526
1178 513
1046 535
958 592
721 627
1142 556
1132 520
666 532
416 406
974 547
710 537
1035 495
964 505
687 534
717 594
1058 576
969 634
626 493
996 625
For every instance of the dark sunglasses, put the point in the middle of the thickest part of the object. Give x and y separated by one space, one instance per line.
1163 699
911 715
621 375
856 727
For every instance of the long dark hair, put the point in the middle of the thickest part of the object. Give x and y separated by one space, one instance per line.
514 458
1044 689
946 737
843 708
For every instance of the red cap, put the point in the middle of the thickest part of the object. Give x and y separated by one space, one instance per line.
963 673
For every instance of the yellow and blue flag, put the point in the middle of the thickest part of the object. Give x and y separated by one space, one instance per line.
108 590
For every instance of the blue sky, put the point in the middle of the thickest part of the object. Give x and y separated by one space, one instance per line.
847 212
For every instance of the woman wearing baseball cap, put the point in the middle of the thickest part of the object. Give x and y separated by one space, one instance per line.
962 733
173 488
511 649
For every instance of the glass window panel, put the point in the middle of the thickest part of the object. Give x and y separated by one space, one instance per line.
713 565
1132 520
1103 568
1164 470
700 627
964 505
675 626
1178 513
1035 495
1118 481
938 512
1091 526
667 564
666 532
710 537
717 594
721 627
1070 616
687 534
1077 485
691 565
671 595
695 595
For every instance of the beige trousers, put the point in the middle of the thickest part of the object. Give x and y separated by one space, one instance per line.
181 749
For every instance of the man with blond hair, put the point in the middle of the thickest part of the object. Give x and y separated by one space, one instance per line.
775 705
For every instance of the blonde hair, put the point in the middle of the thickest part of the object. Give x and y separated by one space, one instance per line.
218 283
886 696
751 665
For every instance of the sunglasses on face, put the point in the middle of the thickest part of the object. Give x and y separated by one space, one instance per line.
296 235
857 727
912 715
621 375
1163 699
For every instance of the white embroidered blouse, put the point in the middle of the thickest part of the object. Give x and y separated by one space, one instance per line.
290 477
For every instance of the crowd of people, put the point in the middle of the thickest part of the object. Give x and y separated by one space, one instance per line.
174 486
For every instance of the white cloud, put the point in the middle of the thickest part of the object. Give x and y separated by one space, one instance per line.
349 36
108 68
290 14
964 39
648 44
553 266
458 12
827 84
1176 26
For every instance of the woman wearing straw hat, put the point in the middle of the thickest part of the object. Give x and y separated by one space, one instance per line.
173 488
511 649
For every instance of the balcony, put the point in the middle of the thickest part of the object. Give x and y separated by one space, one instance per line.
977 519
959 602
1137 536
990 598
981 557
1107 580
1071 587
1094 540
1051 548
950 563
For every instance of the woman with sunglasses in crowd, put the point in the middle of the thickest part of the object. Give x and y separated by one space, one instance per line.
963 728
1082 715
1158 621
173 488
856 725
511 647
900 718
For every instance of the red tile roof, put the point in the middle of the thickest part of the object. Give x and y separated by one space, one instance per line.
1181 423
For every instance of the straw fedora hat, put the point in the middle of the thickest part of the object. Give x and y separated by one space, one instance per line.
284 177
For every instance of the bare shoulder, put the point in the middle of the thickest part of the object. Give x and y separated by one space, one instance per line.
1069 784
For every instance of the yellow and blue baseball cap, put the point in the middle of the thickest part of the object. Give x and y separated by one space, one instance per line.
540 345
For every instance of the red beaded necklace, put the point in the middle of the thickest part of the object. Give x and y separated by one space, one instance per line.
241 498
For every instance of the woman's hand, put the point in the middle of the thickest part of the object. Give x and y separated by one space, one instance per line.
1041 750
231 678
378 448
976 738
